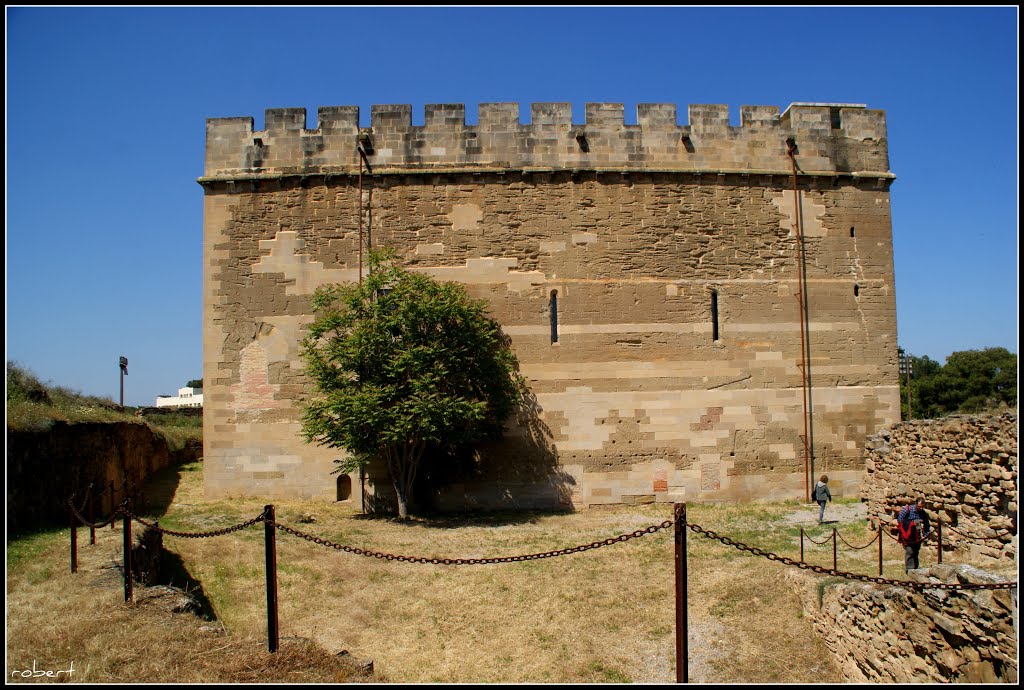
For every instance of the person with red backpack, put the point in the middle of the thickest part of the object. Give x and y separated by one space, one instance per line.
912 524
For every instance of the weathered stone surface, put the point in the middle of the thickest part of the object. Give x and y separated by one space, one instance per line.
977 516
915 637
639 235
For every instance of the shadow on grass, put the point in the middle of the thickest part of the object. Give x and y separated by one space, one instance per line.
158 492
175 574
159 489
454 521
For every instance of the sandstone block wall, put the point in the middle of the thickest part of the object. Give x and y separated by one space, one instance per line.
655 237
965 466
897 635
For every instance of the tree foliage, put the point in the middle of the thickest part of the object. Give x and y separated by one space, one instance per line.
969 381
194 383
405 367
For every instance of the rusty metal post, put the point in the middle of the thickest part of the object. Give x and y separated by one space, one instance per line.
682 633
881 538
92 517
834 549
113 506
127 532
802 545
270 540
938 527
74 536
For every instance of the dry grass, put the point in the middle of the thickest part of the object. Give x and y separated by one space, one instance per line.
606 615
57 621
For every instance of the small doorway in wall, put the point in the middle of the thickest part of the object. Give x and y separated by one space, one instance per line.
344 487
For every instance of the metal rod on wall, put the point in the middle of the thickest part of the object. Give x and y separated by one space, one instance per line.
808 465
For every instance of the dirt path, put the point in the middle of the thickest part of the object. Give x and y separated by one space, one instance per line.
835 514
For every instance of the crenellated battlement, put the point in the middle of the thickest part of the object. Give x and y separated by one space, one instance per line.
832 138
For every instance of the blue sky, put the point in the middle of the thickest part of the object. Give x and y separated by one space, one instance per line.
106 111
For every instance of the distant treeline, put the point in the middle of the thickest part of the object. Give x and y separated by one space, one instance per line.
969 381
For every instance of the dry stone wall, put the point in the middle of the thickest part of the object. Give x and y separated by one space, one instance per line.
965 467
673 252
883 634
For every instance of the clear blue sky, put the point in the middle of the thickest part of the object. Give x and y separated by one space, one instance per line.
106 111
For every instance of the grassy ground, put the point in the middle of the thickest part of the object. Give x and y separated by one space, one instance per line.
602 616
33 405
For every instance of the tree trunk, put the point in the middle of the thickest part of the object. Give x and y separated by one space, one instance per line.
403 502
403 463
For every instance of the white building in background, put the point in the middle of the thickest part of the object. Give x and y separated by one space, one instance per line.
186 397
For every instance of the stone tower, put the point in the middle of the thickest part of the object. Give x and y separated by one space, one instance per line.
648 275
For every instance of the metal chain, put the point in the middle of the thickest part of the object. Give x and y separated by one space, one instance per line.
560 552
819 543
476 561
196 535
78 514
858 548
839 573
85 501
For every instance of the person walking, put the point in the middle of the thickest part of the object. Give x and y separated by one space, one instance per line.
914 528
822 495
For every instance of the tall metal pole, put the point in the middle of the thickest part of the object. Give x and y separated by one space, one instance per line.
92 516
270 542
123 361
127 534
74 537
682 634
360 214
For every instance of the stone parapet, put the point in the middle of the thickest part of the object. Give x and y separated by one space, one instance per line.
831 138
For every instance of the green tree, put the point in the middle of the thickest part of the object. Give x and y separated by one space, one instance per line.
969 381
403 368
194 383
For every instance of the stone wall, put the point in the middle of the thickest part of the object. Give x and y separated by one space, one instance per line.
46 466
883 634
673 252
965 466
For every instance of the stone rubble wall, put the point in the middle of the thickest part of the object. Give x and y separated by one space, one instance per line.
884 634
965 466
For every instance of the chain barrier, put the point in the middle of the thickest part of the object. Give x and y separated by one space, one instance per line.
78 515
839 573
858 548
817 543
710 534
475 561
85 501
194 535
